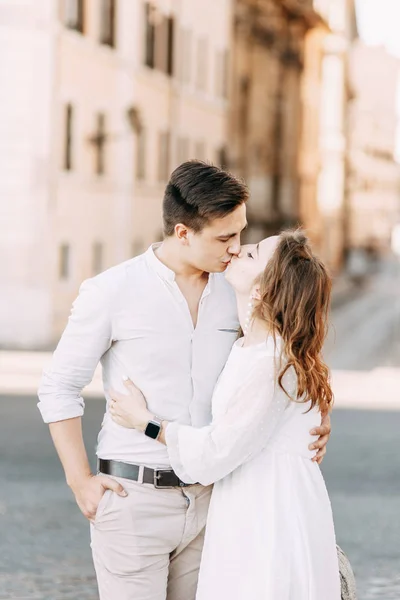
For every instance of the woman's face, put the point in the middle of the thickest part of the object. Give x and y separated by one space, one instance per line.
244 269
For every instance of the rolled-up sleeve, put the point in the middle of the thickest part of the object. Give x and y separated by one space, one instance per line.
87 337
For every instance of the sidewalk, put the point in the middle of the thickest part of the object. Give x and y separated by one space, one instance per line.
20 374
368 390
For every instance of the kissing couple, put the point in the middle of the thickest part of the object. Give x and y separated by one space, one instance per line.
217 416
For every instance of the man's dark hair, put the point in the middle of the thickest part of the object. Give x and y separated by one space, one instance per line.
197 193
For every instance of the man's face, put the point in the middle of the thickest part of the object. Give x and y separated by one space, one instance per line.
212 248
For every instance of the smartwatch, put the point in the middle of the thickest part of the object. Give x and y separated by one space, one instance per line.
153 428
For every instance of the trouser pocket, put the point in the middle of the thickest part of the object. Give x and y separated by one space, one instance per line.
104 500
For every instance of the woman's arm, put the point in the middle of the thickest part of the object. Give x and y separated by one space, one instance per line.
210 453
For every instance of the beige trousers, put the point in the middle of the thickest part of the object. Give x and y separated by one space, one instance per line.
148 545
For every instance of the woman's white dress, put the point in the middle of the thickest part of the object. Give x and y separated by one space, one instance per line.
270 533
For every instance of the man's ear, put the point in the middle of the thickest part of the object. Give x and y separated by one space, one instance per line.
181 232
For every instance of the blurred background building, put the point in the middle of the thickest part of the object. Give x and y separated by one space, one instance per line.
326 94
265 116
374 175
102 99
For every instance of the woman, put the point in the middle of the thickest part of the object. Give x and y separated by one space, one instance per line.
270 531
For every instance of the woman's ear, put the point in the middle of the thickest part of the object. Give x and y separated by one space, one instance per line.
255 294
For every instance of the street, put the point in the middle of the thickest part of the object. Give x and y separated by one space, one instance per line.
365 330
44 542
362 467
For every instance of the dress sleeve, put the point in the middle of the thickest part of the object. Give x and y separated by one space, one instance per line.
86 338
208 454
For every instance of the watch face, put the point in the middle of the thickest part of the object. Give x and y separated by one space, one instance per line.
152 430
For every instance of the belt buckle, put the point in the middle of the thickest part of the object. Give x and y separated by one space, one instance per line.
159 475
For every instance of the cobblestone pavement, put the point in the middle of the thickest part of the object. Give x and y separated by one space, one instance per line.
44 540
362 470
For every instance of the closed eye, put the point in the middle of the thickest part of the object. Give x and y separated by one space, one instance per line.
249 255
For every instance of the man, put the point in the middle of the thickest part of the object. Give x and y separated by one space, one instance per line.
167 320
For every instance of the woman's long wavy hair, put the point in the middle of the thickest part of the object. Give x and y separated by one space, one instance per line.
295 290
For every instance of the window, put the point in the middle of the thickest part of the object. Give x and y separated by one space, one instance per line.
170 45
179 35
221 73
201 75
217 71
141 154
199 151
224 73
159 40
97 258
64 266
222 157
107 22
74 14
69 113
186 56
150 36
99 142
163 156
182 153
161 37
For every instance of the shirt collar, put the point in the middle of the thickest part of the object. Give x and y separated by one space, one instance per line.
156 264
166 273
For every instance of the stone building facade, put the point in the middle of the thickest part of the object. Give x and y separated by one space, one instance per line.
264 139
374 172
323 162
100 100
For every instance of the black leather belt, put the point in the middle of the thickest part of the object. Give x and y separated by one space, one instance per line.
160 478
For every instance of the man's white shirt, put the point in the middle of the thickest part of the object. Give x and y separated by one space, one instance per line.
134 319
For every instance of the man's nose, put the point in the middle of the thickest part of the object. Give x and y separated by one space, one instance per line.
234 248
